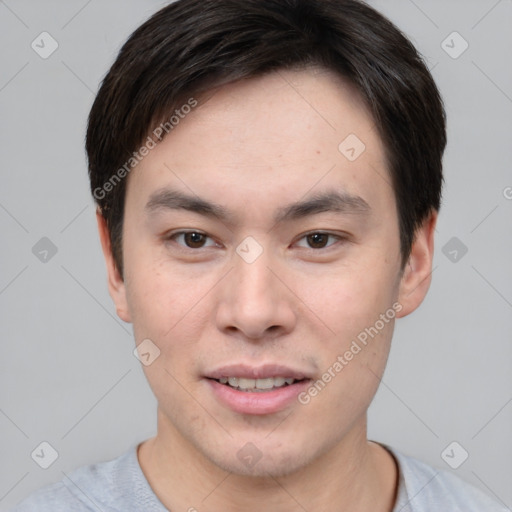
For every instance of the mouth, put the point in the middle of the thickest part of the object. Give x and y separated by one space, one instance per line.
258 385
257 390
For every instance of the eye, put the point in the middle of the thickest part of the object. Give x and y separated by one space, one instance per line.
192 239
319 240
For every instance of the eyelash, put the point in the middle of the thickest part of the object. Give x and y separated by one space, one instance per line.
173 236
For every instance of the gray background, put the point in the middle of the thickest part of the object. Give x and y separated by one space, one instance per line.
68 374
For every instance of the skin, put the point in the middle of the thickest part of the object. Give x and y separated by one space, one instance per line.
254 147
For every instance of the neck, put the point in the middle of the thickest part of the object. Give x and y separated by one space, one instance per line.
354 475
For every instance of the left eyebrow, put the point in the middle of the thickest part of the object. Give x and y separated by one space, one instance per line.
329 201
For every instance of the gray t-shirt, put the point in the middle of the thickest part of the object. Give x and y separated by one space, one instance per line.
119 485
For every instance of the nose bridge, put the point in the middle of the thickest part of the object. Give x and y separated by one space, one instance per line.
254 300
254 280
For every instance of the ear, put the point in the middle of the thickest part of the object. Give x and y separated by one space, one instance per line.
416 277
116 286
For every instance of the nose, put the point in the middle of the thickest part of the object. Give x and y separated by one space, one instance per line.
255 302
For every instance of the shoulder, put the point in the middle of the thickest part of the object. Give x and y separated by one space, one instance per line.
423 488
56 497
88 488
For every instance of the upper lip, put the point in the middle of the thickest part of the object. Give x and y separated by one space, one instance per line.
257 372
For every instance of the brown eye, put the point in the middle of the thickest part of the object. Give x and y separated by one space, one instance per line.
317 240
194 240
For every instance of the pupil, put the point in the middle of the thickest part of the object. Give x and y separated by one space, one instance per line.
317 240
194 239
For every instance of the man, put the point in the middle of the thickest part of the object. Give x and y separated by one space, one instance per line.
268 176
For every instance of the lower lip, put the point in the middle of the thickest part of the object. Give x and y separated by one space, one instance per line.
257 402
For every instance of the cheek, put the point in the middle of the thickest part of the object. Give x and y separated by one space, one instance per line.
352 365
354 353
348 300
162 302
168 310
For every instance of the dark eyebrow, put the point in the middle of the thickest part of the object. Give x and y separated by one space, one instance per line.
168 199
330 201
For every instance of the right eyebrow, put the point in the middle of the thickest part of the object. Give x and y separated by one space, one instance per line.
169 199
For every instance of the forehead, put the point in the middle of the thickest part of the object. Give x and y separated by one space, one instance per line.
270 140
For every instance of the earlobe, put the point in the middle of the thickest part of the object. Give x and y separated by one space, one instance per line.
416 278
116 285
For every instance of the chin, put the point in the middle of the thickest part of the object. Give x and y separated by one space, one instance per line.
265 461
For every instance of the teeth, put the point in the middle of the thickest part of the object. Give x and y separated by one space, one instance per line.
256 384
269 383
245 383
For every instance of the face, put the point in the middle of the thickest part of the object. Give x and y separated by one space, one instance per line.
260 252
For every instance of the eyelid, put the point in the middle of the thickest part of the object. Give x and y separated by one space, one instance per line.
171 236
341 237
